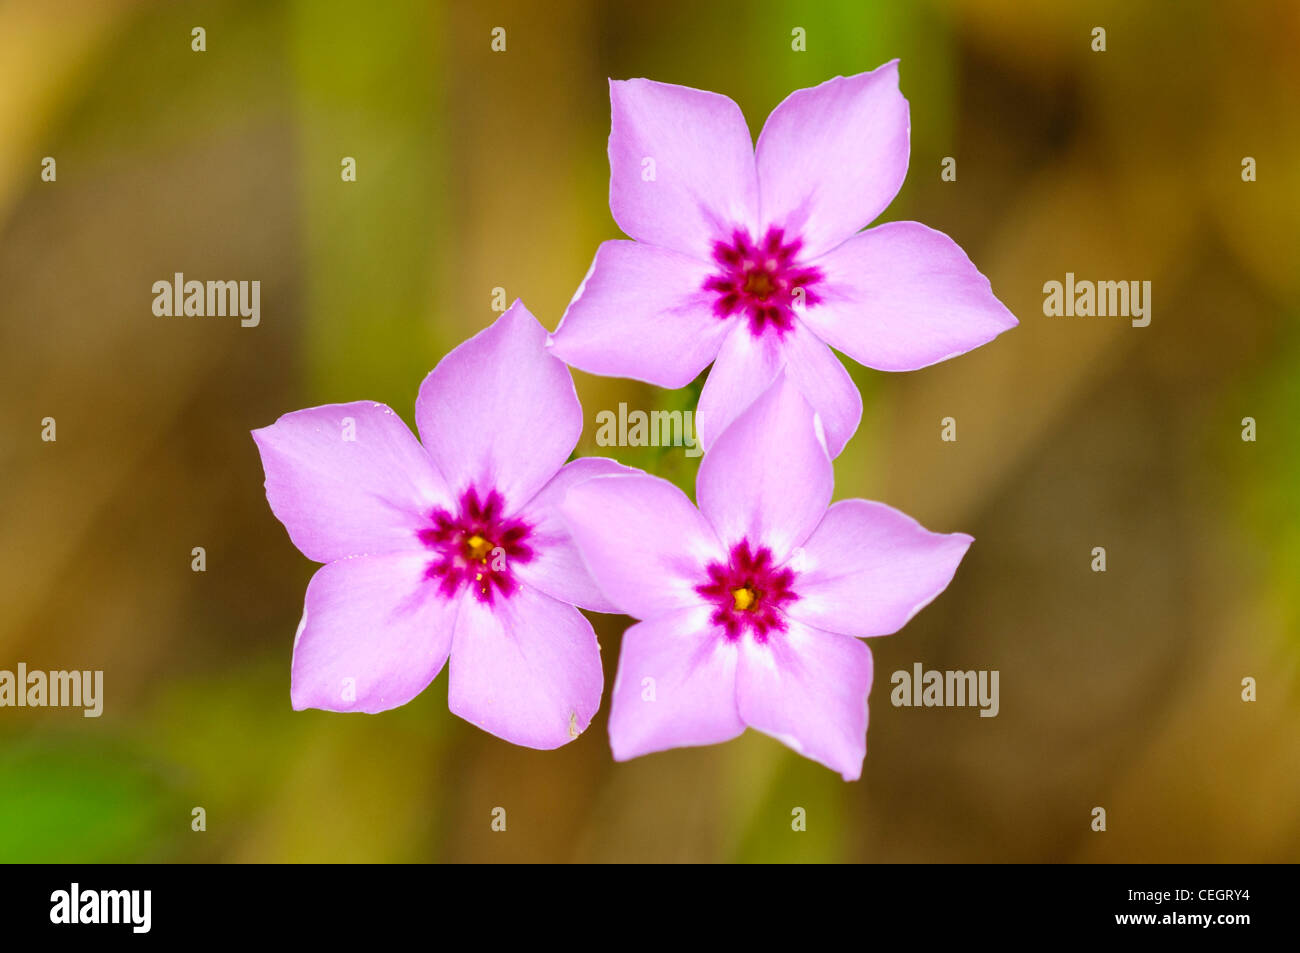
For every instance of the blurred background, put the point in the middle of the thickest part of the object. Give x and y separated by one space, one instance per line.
479 169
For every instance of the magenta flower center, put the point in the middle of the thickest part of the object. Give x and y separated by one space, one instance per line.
476 547
762 281
749 592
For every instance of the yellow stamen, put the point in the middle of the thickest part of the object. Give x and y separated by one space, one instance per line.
744 597
759 284
479 548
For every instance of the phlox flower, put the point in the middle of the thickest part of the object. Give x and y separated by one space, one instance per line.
450 548
750 257
751 605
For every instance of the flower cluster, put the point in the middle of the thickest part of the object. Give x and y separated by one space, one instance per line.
476 545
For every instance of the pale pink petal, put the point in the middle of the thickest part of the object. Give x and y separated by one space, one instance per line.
676 686
745 367
556 567
373 634
525 668
348 479
500 411
867 569
831 158
641 539
681 165
641 313
808 689
823 380
903 296
768 478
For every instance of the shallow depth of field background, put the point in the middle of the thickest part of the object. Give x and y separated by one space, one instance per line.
481 169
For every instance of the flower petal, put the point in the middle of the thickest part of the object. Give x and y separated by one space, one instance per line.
644 543
525 668
745 367
768 478
499 411
825 383
556 567
808 689
641 313
867 569
681 165
348 479
676 686
903 296
831 158
373 634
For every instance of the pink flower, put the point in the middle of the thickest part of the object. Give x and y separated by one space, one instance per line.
751 258
451 548
751 604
